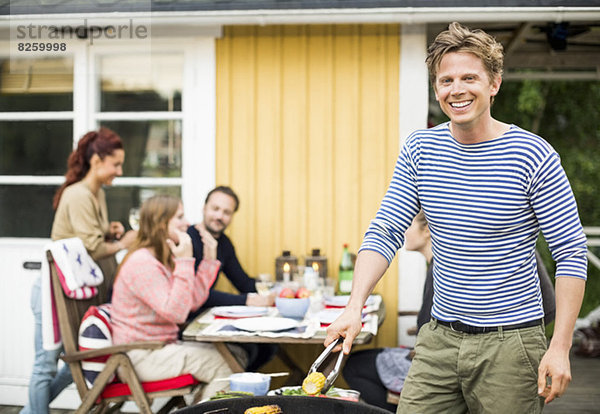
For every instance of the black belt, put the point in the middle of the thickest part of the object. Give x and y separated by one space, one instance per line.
470 329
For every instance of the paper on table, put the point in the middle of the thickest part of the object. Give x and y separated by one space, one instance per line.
265 323
328 315
209 317
372 304
235 312
305 329
370 324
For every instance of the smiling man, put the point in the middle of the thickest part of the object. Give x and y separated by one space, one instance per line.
487 189
219 207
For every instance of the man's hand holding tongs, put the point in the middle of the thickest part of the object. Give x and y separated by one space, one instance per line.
369 268
347 326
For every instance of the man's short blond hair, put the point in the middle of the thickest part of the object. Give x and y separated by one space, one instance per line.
459 38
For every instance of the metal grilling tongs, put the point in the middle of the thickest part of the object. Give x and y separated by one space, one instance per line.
328 364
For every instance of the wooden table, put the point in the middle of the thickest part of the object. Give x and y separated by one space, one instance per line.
193 332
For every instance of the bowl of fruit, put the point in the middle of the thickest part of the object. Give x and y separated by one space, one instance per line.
293 304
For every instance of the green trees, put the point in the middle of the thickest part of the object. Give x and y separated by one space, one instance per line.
567 115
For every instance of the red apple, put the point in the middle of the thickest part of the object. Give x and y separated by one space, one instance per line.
303 293
286 293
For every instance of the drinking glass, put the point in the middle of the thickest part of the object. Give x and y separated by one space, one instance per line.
264 283
329 285
134 218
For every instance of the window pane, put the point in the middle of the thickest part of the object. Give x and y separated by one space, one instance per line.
43 84
152 148
121 199
127 85
35 147
26 210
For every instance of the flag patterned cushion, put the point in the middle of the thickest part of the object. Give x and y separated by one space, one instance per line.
95 332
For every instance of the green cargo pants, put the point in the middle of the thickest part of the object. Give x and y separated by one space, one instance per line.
455 372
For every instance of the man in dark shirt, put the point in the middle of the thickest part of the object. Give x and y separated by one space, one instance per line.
220 205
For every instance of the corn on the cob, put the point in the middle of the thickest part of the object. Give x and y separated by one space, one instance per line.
265 409
313 383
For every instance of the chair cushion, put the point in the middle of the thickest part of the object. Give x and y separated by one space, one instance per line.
119 389
95 332
83 292
78 269
393 397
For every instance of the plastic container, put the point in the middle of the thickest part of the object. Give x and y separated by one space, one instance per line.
348 395
253 382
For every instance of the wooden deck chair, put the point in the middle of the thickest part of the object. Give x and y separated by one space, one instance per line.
103 395
392 397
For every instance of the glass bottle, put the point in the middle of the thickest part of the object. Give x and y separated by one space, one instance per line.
346 272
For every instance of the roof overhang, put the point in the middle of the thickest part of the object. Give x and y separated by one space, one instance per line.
519 33
402 15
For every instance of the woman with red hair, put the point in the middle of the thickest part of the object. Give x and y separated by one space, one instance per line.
80 202
81 211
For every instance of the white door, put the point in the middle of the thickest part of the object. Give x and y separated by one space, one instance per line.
36 134
20 259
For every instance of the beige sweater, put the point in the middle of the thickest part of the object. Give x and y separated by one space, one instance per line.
81 214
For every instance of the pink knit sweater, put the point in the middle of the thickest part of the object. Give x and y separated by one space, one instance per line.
149 301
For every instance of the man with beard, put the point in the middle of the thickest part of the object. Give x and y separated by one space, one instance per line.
219 207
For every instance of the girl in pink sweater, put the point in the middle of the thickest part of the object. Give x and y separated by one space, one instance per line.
155 290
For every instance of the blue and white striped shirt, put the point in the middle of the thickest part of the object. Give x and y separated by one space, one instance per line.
485 204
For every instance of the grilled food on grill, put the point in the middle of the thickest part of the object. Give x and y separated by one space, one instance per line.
265 409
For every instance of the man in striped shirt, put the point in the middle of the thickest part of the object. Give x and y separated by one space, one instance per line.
487 189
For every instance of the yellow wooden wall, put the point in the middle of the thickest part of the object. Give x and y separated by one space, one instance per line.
307 135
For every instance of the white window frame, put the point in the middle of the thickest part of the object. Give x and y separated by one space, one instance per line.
198 114
413 82
74 48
